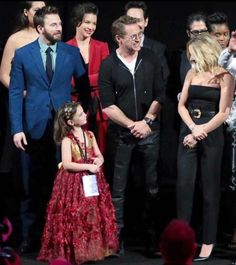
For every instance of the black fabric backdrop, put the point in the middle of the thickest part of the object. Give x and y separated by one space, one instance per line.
166 23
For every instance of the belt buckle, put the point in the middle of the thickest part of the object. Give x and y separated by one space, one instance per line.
197 113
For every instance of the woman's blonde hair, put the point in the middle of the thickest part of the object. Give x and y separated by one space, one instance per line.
205 50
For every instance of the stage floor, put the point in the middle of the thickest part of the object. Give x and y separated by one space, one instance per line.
134 256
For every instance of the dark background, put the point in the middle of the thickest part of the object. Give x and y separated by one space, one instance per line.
166 23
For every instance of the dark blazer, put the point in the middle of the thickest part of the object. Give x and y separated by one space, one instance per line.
28 73
160 50
185 66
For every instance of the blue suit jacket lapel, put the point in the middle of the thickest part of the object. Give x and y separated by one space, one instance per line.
37 59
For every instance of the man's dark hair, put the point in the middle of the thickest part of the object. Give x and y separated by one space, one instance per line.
199 16
217 18
80 10
137 4
118 26
40 14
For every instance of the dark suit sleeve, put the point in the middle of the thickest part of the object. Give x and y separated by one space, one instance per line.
159 83
16 89
106 91
82 87
81 81
160 52
79 68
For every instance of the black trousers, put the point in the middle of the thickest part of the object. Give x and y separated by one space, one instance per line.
43 157
205 161
230 176
233 159
124 147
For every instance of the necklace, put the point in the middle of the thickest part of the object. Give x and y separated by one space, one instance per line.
82 153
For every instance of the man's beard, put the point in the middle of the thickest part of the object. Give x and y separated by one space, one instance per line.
51 37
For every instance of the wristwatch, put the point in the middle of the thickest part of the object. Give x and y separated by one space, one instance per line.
148 120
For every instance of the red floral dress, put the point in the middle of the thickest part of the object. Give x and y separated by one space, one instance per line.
79 228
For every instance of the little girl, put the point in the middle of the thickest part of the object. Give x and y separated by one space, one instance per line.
80 222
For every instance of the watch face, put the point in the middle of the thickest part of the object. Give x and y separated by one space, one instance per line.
148 120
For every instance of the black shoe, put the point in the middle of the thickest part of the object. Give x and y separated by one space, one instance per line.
25 247
199 258
152 252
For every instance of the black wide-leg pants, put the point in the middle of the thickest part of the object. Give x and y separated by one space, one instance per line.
205 161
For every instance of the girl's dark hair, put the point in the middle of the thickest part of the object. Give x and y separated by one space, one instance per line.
61 126
80 10
22 21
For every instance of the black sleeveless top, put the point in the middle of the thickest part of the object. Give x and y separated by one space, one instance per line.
203 97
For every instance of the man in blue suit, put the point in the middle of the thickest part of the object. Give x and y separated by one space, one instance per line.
44 68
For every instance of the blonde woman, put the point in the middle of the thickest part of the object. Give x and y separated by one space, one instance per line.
204 106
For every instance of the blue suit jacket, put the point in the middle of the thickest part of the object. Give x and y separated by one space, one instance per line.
30 115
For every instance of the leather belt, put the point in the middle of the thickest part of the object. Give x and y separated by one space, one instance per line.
198 113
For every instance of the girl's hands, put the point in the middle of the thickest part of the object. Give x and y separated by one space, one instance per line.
93 168
98 161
